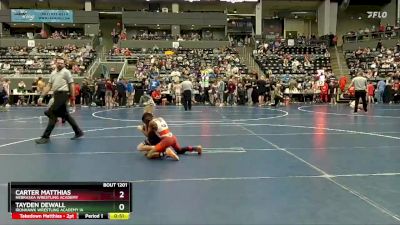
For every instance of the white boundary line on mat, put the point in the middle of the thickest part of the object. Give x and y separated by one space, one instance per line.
329 177
301 108
205 151
285 113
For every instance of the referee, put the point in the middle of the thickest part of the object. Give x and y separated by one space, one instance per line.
187 88
62 85
360 86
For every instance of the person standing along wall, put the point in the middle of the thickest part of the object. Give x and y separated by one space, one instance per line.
122 92
231 92
381 89
130 90
371 93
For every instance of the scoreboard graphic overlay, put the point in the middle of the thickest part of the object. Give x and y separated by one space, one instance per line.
70 200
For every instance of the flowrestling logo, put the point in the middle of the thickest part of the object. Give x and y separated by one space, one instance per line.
377 15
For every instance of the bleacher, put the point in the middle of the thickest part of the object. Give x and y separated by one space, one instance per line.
375 63
41 59
274 62
195 59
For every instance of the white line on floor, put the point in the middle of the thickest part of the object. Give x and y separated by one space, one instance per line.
187 135
209 151
330 178
323 128
285 113
257 178
301 108
19 119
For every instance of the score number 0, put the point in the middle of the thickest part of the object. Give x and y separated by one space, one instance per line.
121 195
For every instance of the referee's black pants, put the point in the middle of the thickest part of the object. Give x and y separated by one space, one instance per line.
362 95
187 99
59 109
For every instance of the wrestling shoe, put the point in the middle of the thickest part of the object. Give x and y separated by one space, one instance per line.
171 153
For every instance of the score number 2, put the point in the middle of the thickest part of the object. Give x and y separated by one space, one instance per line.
121 206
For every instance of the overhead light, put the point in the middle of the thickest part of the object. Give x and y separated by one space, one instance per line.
147 0
15 24
296 16
62 24
300 12
360 18
158 25
209 25
135 24
111 13
73 24
238 1
33 24
192 25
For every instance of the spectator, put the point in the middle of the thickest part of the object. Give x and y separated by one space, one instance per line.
177 90
221 91
324 92
5 91
130 88
261 89
342 83
122 92
371 92
146 100
333 91
114 36
34 85
278 95
156 95
86 94
249 88
379 45
396 92
123 35
6 66
231 93
155 83
109 92
43 34
381 89
21 87
241 94
100 89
